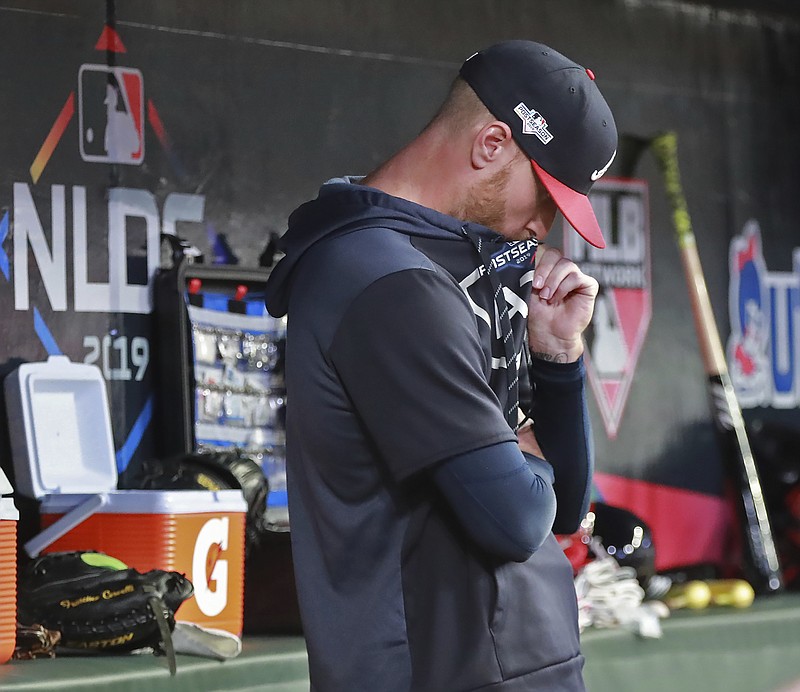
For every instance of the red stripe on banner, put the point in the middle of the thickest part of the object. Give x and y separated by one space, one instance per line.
110 41
158 127
689 528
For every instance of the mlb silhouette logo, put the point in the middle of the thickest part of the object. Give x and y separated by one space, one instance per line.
111 114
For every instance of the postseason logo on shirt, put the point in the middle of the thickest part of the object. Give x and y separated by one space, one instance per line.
514 254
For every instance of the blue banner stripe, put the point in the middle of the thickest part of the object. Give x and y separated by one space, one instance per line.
44 334
277 498
127 450
5 265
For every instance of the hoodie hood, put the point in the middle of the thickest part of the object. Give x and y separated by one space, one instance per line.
494 274
343 206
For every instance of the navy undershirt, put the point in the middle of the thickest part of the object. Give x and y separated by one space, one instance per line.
506 499
503 499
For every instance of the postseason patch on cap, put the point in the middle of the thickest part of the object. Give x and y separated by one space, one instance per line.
533 123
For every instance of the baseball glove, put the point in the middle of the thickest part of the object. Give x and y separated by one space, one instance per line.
97 603
232 469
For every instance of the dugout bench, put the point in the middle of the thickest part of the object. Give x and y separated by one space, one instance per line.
752 650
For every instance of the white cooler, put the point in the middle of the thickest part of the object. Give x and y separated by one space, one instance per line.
63 453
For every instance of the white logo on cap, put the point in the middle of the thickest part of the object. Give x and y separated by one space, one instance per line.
599 174
533 123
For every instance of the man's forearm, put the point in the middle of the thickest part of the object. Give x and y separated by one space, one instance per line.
503 499
563 430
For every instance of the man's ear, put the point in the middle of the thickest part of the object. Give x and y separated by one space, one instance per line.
492 144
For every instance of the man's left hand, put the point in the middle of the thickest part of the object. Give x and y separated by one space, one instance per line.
560 306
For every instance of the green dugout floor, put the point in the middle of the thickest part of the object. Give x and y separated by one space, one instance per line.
752 650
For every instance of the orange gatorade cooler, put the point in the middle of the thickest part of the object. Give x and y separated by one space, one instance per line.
196 532
8 570
63 451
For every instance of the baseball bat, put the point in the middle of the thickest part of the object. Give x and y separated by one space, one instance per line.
762 566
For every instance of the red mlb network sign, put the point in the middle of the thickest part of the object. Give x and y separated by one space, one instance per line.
623 309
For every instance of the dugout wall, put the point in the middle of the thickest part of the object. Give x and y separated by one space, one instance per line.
238 110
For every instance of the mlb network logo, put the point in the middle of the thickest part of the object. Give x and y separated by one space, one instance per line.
111 114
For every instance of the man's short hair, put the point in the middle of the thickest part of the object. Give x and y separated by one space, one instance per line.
462 108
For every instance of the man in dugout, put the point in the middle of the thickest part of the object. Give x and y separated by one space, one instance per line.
437 425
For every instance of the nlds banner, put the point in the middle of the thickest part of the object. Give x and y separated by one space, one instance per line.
81 238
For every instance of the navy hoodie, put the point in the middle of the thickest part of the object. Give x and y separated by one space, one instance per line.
397 359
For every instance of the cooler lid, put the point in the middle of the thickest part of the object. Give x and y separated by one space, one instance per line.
5 485
178 502
69 438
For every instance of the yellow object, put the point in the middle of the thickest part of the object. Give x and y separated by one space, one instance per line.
693 594
731 592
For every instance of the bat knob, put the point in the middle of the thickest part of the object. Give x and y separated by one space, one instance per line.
693 594
731 592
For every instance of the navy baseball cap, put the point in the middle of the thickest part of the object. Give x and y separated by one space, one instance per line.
559 119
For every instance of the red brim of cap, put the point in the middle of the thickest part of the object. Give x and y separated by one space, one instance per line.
575 207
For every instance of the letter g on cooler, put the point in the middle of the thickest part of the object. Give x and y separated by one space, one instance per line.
208 570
